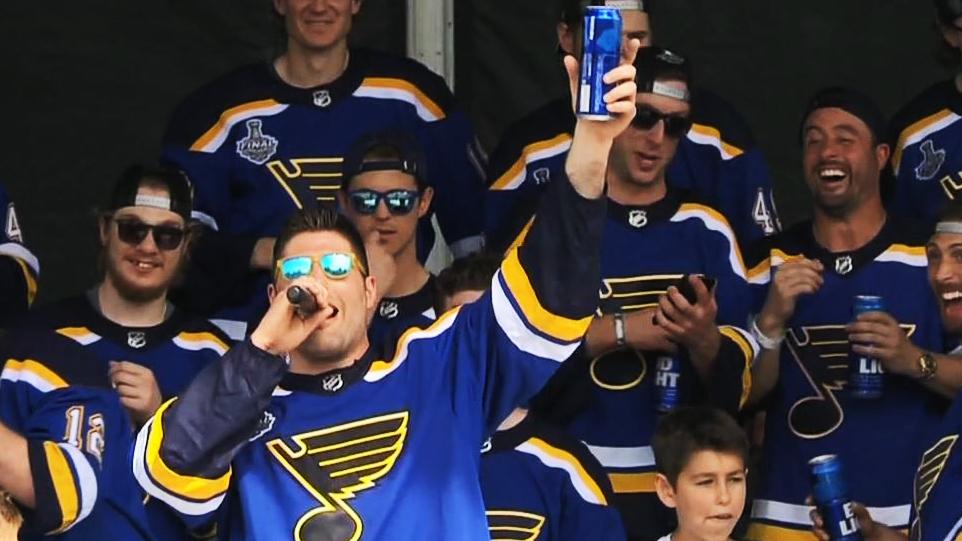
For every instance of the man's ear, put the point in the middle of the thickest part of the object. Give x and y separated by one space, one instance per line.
271 292
370 292
566 37
424 202
882 152
666 493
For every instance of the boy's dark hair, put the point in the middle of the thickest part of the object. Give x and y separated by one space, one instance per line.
470 272
688 430
320 219
951 212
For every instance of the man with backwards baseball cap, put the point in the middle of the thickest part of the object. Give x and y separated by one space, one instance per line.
927 133
657 238
812 273
149 350
717 158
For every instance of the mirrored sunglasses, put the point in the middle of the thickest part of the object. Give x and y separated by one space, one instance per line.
399 202
334 265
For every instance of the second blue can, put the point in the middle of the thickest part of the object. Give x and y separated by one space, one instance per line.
865 373
601 53
832 499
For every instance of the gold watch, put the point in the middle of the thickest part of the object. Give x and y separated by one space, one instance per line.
928 366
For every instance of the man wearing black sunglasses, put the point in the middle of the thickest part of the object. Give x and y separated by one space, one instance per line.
673 298
317 434
717 158
18 266
140 344
384 193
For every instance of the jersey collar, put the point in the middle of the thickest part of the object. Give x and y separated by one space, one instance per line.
329 383
636 217
846 264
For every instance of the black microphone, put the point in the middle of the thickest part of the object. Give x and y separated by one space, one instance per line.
302 299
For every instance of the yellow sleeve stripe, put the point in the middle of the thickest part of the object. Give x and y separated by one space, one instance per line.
63 484
749 351
707 135
761 273
519 240
33 373
632 483
554 457
392 88
212 139
559 327
196 341
81 335
908 255
381 368
716 222
539 150
766 532
779 257
920 130
28 279
184 486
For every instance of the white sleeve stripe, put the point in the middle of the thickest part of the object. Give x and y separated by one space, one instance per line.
215 143
15 375
19 251
737 265
895 516
518 331
147 483
552 462
86 480
397 94
197 345
954 532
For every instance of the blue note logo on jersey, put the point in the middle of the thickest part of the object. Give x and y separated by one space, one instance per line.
930 469
514 525
334 464
932 161
256 147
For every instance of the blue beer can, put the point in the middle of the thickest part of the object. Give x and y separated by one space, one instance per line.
831 497
865 373
601 54
667 377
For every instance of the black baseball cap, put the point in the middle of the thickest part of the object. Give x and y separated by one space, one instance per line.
851 101
124 193
407 157
948 11
654 64
573 10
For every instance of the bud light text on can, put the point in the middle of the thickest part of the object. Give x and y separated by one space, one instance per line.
865 379
831 497
602 53
667 376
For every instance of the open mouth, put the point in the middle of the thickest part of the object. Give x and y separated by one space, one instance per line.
951 298
831 174
143 265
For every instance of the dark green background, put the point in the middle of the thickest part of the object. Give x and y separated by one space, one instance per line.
86 86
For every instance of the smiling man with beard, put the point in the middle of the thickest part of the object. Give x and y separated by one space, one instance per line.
812 344
149 350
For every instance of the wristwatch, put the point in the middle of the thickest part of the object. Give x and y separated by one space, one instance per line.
928 366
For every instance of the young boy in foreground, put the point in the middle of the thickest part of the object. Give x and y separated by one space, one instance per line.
701 456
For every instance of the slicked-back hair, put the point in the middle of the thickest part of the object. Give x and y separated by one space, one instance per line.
472 272
321 219
688 430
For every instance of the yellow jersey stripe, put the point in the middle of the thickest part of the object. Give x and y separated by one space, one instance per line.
707 135
63 484
632 483
519 240
199 340
749 352
710 217
28 279
185 486
514 176
81 335
230 117
380 368
570 464
34 373
559 327
402 86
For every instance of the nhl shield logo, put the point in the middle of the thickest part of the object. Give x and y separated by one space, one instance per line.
932 161
638 218
136 339
843 264
388 310
256 147
332 383
322 98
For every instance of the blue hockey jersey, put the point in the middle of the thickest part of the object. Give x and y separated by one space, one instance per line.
811 412
937 515
257 149
718 161
18 266
540 484
175 351
609 402
927 153
388 447
56 394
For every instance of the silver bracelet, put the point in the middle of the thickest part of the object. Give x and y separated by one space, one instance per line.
620 337
764 341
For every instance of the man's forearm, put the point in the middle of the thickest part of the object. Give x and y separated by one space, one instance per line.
587 163
15 467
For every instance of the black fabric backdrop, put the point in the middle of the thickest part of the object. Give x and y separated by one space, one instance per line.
87 86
